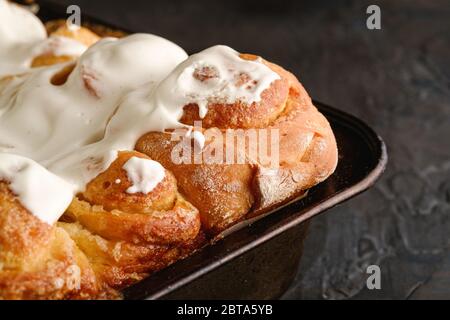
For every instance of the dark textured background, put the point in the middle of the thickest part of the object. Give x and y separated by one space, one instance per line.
397 79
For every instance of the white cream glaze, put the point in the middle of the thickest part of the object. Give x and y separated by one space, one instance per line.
216 74
160 107
59 46
117 91
20 31
199 140
23 37
39 191
144 174
63 127
18 25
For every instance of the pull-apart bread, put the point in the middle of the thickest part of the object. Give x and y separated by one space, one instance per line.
121 156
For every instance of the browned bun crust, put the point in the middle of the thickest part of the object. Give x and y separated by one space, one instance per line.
105 191
179 224
38 261
82 35
226 193
222 193
308 150
128 236
114 238
121 263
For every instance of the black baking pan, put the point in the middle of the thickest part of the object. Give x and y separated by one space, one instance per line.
260 260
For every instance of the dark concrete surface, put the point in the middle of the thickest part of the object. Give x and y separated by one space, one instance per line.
397 79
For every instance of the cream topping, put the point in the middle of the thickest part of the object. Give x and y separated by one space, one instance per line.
117 91
144 174
160 107
23 37
199 140
59 46
18 25
63 127
20 31
41 192
216 74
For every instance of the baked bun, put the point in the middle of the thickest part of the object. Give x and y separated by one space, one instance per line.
39 261
126 235
119 157
227 193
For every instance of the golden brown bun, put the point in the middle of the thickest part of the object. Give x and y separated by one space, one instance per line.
122 263
38 261
226 193
104 190
222 193
109 238
127 236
